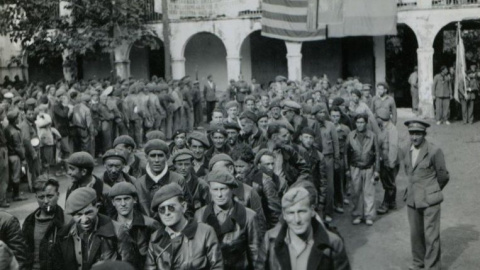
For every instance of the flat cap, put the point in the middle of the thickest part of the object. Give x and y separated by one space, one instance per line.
319 108
230 125
231 104
219 157
12 115
122 188
290 104
222 177
218 129
417 125
79 199
307 130
165 193
124 139
293 196
113 153
155 134
383 114
183 154
280 78
338 101
178 132
156 144
200 137
81 160
249 115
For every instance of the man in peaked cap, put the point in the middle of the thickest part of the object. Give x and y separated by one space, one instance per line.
157 175
89 239
16 153
302 231
190 238
427 175
232 221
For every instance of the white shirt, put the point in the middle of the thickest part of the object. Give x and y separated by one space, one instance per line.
415 153
154 177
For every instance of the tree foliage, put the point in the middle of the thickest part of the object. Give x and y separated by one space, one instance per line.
92 26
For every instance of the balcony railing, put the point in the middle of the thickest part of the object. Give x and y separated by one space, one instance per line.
454 3
150 14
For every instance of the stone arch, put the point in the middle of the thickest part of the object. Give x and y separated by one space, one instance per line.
179 43
146 61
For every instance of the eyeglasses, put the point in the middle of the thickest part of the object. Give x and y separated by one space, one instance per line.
163 210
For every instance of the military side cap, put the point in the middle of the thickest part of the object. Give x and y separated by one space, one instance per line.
222 177
217 158
290 104
156 144
293 196
178 132
338 101
198 136
81 160
124 139
155 134
274 103
165 193
417 125
79 199
113 153
218 129
307 130
383 114
183 154
261 115
230 125
122 188
249 115
231 104
319 108
12 115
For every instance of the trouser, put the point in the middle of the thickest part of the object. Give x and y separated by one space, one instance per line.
327 188
388 176
363 193
83 141
191 119
442 108
339 185
414 93
4 174
467 110
425 236
15 169
65 149
120 128
136 131
107 134
210 108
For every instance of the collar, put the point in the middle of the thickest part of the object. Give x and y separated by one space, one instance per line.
189 231
156 178
103 227
367 134
413 148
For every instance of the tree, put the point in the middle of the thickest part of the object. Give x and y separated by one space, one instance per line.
91 26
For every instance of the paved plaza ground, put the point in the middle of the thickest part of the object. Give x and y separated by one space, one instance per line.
386 244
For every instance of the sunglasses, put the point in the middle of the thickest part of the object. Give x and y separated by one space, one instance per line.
163 210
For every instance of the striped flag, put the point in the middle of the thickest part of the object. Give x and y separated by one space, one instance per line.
460 84
292 20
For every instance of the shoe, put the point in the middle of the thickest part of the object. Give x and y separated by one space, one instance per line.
356 221
439 123
369 222
19 199
4 205
328 219
339 210
447 123
346 202
383 209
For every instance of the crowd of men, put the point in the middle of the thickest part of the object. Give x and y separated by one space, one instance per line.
255 187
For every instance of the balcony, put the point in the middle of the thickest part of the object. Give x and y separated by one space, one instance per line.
428 4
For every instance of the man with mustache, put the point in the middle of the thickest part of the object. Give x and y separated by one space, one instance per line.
198 143
89 239
233 132
41 227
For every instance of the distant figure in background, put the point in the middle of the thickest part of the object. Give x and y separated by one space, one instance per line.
210 96
413 81
442 93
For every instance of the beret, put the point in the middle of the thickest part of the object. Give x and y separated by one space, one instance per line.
31 101
113 153
229 125
338 101
261 115
156 144
198 136
79 199
249 97
219 157
260 154
12 115
250 115
291 105
416 125
218 129
122 188
231 104
319 108
165 193
124 139
182 154
274 103
383 114
81 160
155 134
222 177
8 95
280 78
178 132
307 130
293 196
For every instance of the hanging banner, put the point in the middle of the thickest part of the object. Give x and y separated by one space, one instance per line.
178 9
